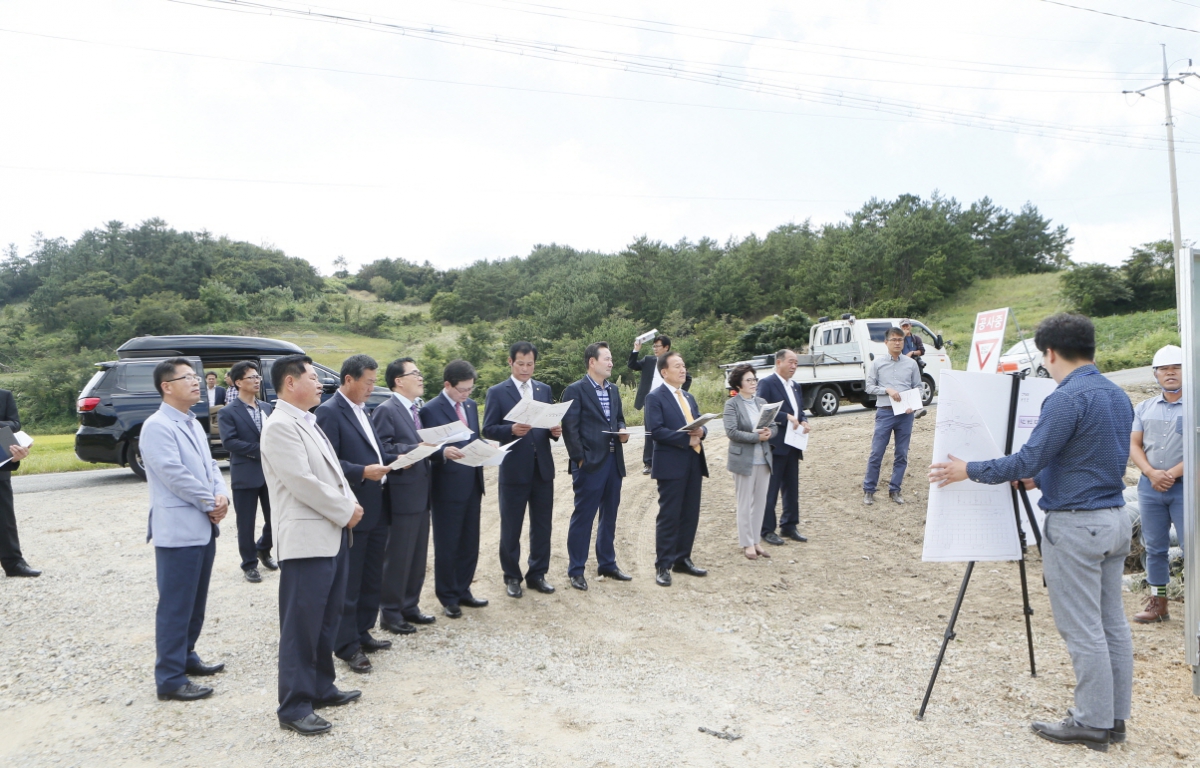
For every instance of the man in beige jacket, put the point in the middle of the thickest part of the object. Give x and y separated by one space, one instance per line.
314 511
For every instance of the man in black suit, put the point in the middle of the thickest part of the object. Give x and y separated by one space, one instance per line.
216 395
10 546
350 432
679 466
650 382
456 493
240 427
785 466
597 464
396 422
526 475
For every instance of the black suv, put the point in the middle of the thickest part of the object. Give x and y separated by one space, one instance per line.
121 395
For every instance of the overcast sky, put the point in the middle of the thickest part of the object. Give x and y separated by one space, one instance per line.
466 129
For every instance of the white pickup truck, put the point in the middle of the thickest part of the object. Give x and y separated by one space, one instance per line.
835 367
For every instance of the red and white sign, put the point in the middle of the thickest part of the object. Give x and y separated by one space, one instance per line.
987 340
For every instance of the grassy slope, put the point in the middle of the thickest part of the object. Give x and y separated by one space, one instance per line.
1122 341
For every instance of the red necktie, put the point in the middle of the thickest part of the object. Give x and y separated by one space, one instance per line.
461 416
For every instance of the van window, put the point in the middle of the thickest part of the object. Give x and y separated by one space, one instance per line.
878 331
136 377
925 334
94 384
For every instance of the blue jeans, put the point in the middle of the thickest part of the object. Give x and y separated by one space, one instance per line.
1159 510
887 423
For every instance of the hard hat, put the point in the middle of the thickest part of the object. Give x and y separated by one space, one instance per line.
1168 355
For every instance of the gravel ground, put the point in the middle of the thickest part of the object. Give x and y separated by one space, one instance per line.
818 656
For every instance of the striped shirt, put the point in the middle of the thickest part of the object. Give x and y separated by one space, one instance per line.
602 393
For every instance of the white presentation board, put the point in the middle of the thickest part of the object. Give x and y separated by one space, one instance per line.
1032 394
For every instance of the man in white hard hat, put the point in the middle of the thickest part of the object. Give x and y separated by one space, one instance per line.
1156 446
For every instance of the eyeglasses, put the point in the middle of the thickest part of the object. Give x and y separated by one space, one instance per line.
466 391
190 378
411 373
250 378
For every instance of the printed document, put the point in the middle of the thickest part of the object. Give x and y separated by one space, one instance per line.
700 422
482 453
646 337
767 415
18 438
796 436
909 398
539 415
415 455
453 432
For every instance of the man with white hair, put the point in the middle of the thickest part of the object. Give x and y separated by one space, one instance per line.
1156 446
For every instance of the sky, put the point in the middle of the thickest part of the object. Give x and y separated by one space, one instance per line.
460 130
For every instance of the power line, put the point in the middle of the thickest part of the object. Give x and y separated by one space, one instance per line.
1119 16
173 177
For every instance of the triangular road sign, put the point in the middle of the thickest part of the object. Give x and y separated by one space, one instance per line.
983 350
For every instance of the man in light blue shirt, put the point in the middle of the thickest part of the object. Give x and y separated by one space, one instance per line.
188 500
887 377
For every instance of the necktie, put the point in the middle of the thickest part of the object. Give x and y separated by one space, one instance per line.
525 390
686 409
461 416
416 418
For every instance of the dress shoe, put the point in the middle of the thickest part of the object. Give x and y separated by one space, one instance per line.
662 577
687 566
268 562
21 569
370 644
919 413
794 535
252 575
773 538
358 662
420 618
1155 609
204 670
512 587
342 697
473 602
615 573
579 583
1116 734
868 498
646 469
896 497
403 628
453 611
1067 731
311 725
186 692
540 584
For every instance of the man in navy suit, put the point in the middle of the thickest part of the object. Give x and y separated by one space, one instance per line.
10 545
527 473
396 422
216 395
456 492
649 382
785 472
597 464
365 464
240 425
679 466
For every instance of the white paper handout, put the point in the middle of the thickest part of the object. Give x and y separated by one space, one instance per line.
909 398
795 436
646 337
482 453
23 440
700 422
538 415
415 455
767 414
447 433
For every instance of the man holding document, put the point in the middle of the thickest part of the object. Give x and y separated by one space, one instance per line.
787 445
892 379
10 546
527 474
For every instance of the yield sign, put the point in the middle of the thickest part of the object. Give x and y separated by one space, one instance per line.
983 350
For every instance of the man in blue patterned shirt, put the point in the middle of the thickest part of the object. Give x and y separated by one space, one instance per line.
1077 456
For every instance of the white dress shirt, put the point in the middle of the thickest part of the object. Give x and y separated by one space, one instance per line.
525 388
365 423
791 395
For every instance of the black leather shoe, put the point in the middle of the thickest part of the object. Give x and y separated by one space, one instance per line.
186 692
473 602
204 670
687 566
403 628
342 697
252 575
21 569
615 573
773 538
512 588
540 584
268 562
662 577
1067 731
453 611
646 469
1116 734
420 618
579 583
794 535
309 726
370 644
358 662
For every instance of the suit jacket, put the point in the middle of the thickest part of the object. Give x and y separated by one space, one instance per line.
219 399
338 421
672 449
584 425
184 479
743 438
397 432
647 365
521 464
771 389
309 501
241 438
453 481
11 419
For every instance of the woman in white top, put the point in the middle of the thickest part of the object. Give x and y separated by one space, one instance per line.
749 458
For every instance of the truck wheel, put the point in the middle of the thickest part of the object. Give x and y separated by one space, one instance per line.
1042 373
926 391
870 403
134 456
826 402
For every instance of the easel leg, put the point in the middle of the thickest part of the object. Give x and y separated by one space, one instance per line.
937 665
1028 614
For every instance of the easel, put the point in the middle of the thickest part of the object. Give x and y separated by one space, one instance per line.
1018 496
